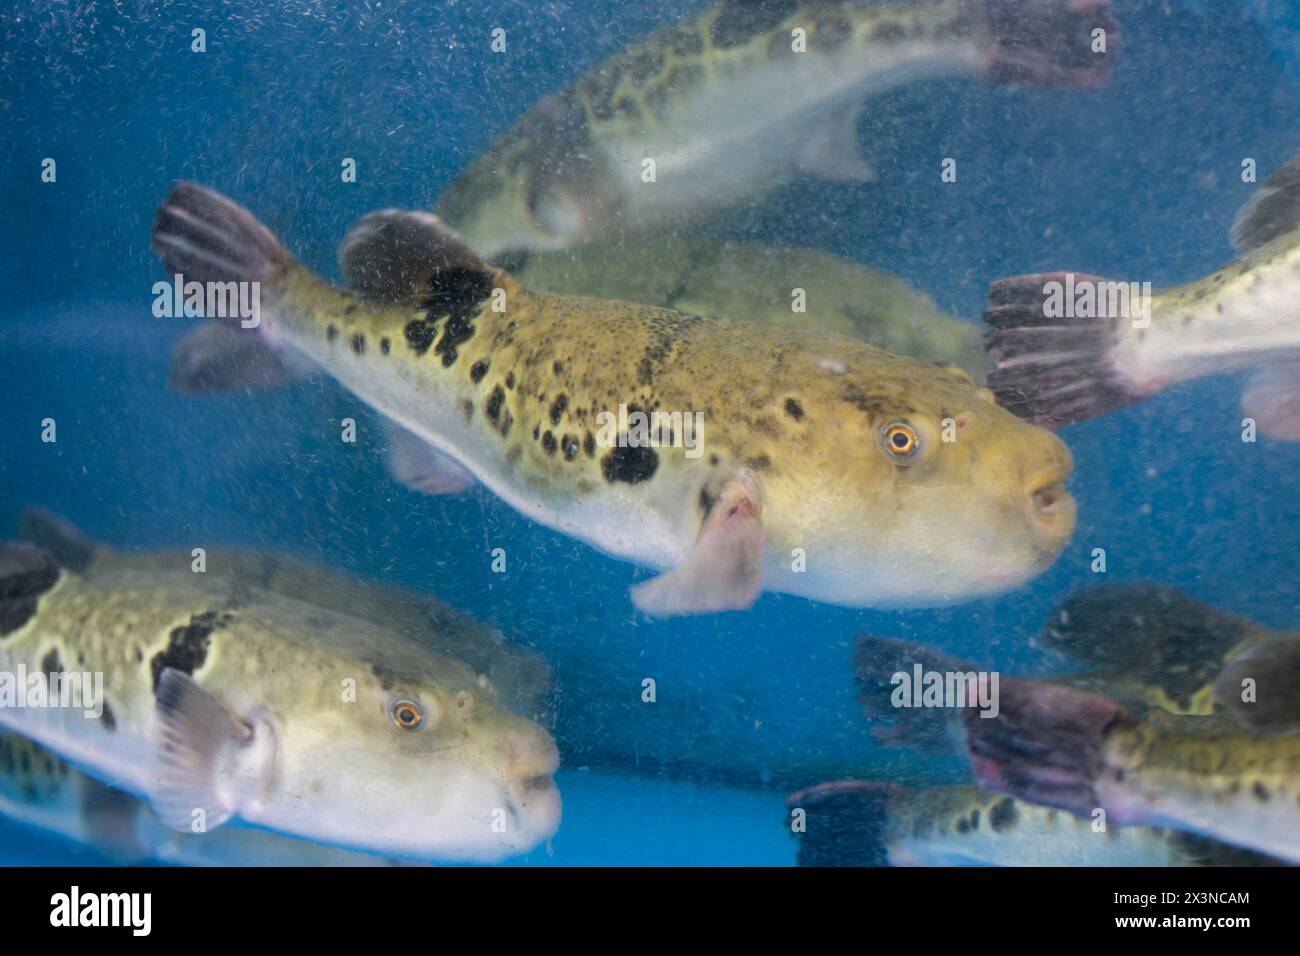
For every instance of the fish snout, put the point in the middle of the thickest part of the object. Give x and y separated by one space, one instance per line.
531 761
1048 505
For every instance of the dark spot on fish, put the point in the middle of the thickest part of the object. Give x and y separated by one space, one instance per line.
478 370
875 404
332 332
570 446
458 330
493 406
109 719
759 462
707 501
26 572
889 32
740 21
589 445
350 308
1261 792
513 455
358 343
51 664
506 423
187 647
630 464
548 443
974 819
510 380
385 345
557 409
7 757
1003 815
685 42
558 367
713 460
467 407
794 409
420 334
963 825
643 65
831 33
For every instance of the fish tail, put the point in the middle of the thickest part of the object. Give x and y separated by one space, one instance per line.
1045 744
1048 368
1050 43
206 237
876 663
845 823
203 237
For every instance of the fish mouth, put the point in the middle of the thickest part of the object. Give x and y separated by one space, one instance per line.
1050 508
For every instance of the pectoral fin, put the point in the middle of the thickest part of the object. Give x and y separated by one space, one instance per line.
724 571
219 358
833 150
210 760
1272 398
418 465
398 255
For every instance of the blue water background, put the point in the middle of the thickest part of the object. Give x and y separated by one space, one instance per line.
1139 180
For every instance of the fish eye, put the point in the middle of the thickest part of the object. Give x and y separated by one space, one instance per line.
900 441
406 714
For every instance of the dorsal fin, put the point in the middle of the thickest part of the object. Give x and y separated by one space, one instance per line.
398 255
1273 210
58 537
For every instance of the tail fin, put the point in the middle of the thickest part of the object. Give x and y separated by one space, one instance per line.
1051 370
876 661
1049 42
26 572
206 237
846 823
1045 744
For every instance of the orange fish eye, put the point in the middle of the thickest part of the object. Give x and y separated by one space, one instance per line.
407 714
900 440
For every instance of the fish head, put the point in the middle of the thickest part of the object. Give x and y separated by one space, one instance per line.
951 497
541 187
425 765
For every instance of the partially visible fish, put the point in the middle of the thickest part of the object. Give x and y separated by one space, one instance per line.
1067 346
728 108
1081 752
729 278
516 677
224 704
818 466
40 789
868 823
1153 649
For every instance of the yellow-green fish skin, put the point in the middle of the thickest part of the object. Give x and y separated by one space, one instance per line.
514 396
340 771
728 278
735 101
